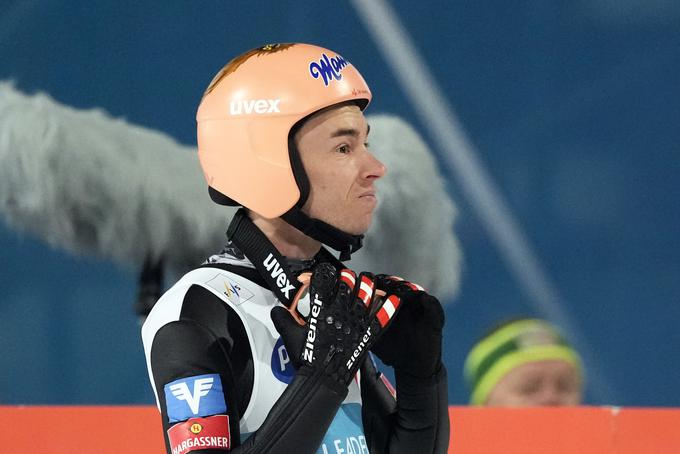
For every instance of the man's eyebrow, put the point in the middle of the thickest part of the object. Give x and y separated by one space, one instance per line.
349 132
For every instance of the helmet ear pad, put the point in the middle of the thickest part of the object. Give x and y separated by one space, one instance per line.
299 173
221 199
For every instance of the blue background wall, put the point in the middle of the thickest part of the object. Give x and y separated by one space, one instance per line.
574 108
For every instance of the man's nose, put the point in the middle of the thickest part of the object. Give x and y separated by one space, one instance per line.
551 396
374 168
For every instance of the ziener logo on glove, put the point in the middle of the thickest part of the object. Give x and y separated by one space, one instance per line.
308 353
359 349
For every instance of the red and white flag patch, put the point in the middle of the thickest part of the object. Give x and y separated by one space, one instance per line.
348 277
365 290
388 309
411 285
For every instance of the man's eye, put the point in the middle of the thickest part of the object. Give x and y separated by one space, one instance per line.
343 149
529 387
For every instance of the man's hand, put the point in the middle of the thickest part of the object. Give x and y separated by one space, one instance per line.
413 344
345 320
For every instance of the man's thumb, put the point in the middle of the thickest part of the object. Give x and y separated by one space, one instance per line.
283 320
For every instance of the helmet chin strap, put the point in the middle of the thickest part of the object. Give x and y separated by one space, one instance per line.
267 260
331 236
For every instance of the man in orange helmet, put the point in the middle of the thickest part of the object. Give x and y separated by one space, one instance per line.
265 348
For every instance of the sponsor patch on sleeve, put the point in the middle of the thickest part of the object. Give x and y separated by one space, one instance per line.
201 395
200 433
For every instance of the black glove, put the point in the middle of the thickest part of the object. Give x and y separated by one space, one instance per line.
413 344
344 322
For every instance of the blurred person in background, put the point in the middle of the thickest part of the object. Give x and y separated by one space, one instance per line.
522 363
265 348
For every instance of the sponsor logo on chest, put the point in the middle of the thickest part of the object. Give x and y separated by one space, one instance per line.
282 366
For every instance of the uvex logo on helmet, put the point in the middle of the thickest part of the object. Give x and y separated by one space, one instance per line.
328 68
258 106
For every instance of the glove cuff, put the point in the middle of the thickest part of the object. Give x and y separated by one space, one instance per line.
325 380
414 381
419 373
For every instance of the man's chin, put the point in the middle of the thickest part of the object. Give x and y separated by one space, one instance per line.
360 229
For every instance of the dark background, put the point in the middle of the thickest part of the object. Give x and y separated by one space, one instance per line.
573 107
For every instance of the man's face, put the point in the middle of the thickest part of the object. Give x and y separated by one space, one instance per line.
540 383
341 170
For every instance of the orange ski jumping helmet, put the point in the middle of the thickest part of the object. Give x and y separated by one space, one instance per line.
244 130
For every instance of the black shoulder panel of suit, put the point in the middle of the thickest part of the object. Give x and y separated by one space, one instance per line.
185 348
208 338
201 306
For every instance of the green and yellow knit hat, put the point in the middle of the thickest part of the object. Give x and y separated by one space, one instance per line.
509 346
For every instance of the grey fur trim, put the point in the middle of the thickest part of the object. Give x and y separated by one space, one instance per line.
91 184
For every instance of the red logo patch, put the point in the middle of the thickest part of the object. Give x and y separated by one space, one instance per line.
200 433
